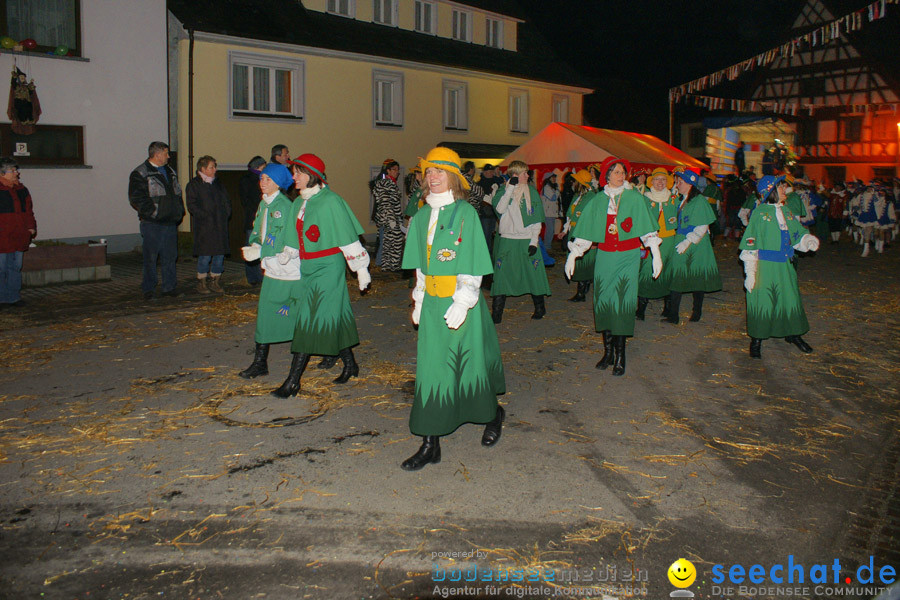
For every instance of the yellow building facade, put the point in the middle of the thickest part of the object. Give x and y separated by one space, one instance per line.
351 109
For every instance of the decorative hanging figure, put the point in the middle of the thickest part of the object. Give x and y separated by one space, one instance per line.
24 109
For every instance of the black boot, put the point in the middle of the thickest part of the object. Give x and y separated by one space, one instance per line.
674 307
798 341
497 304
619 347
291 385
642 308
492 430
755 348
698 306
539 309
429 452
260 364
581 292
607 351
665 311
351 369
327 362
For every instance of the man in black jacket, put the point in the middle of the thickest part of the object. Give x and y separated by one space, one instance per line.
153 191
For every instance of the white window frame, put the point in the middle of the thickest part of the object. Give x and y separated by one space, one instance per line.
489 38
334 7
420 17
458 16
395 81
298 87
518 107
393 12
560 108
455 114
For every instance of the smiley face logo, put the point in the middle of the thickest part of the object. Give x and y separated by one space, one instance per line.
682 573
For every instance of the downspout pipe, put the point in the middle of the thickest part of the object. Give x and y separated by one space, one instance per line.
190 101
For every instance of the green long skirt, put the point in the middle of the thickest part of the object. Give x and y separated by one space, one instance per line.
515 272
659 287
774 308
696 270
458 371
325 324
615 291
276 313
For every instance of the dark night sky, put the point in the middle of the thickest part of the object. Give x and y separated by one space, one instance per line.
636 50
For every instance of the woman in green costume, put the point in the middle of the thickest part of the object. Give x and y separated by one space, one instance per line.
693 264
327 233
458 368
774 308
619 221
662 205
518 266
583 274
276 314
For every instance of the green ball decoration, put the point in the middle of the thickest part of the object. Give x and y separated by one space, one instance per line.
61 50
7 42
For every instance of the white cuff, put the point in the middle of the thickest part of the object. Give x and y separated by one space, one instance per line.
693 236
749 255
535 231
418 293
356 256
468 290
579 246
651 240
807 242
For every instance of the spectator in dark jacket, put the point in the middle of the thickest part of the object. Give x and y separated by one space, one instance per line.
153 191
250 199
210 210
17 227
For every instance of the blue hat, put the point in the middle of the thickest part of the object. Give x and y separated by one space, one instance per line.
766 184
279 174
688 176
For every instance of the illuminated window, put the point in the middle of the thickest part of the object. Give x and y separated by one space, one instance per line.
264 86
462 26
560 108
385 12
387 97
456 106
518 111
494 32
345 8
426 17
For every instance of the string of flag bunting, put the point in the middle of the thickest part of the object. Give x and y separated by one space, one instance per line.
779 107
820 36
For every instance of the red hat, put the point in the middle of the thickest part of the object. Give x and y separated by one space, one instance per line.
313 163
608 164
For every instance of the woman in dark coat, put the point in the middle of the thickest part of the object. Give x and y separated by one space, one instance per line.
210 209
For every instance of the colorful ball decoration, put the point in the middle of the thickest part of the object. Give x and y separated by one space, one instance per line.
28 44
7 42
61 50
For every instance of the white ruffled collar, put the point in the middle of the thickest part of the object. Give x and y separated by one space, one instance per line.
615 191
268 199
308 193
658 196
439 199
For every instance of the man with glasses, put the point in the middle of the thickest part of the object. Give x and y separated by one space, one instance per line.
17 228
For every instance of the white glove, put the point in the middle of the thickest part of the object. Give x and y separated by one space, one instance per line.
750 280
417 313
657 261
570 265
364 278
251 252
808 243
494 188
565 228
456 315
682 246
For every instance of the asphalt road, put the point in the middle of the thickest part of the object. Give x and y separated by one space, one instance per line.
134 463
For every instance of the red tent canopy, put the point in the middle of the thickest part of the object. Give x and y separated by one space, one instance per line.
563 146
